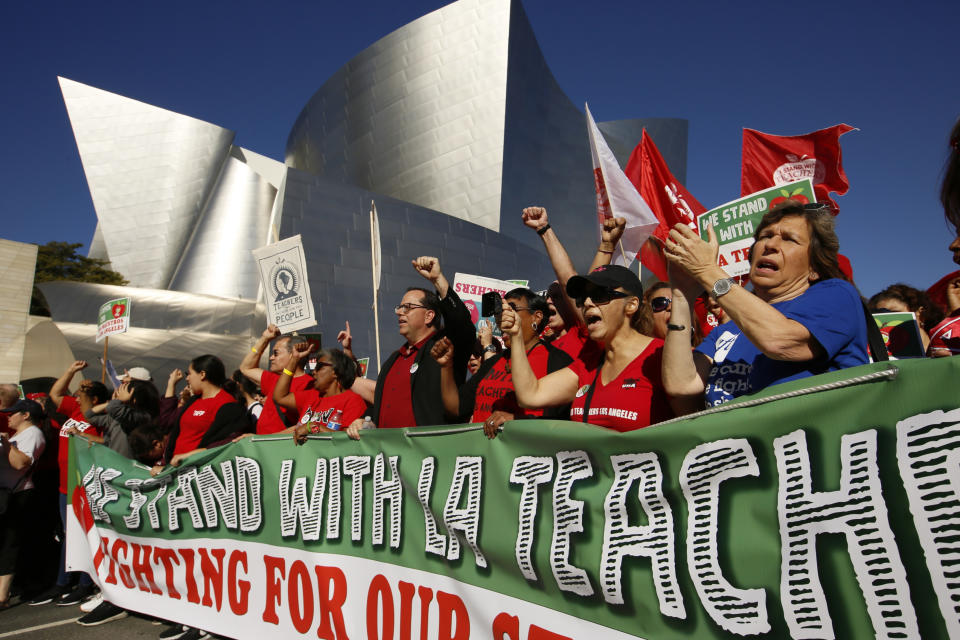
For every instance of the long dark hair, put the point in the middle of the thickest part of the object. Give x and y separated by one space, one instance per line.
144 396
213 366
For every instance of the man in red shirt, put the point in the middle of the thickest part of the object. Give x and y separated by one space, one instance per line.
408 384
273 419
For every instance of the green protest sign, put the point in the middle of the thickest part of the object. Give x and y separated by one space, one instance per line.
824 513
901 333
113 317
735 221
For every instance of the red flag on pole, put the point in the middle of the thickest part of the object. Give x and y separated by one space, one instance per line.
669 200
769 161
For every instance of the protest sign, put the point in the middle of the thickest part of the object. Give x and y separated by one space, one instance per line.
362 365
735 222
113 318
471 288
283 274
822 514
901 334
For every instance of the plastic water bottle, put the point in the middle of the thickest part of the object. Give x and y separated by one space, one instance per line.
368 423
334 422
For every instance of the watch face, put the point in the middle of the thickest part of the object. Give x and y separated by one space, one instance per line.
721 287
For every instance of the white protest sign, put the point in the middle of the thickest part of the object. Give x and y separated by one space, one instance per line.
113 317
283 273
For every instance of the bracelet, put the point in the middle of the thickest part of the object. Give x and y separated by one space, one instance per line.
675 327
288 372
254 349
607 252
542 230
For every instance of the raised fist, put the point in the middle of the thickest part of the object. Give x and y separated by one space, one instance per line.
535 217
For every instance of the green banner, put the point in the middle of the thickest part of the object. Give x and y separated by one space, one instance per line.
812 513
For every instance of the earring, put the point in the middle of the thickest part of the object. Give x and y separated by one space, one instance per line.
534 325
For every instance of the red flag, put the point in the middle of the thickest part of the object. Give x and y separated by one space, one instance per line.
669 200
769 161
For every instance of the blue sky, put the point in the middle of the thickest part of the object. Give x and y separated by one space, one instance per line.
887 68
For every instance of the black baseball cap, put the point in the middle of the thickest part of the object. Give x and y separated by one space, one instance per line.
37 414
608 276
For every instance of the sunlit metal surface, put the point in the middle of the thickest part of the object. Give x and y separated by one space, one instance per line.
149 171
78 302
234 223
18 261
453 123
459 112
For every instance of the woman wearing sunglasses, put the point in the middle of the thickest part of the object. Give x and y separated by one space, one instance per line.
618 388
333 377
803 317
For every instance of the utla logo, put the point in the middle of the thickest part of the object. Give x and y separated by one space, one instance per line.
798 168
796 196
118 310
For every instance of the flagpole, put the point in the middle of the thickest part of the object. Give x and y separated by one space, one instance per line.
103 368
373 276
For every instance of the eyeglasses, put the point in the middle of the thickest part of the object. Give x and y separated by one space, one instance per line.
407 307
600 295
320 365
514 306
660 303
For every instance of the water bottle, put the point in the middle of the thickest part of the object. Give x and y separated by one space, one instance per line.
368 423
334 422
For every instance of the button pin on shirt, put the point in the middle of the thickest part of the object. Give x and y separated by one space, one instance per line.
414 367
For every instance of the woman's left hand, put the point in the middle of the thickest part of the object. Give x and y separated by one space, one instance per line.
493 424
684 248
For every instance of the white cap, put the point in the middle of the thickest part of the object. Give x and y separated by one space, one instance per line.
139 373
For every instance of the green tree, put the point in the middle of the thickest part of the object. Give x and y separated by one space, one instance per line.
60 261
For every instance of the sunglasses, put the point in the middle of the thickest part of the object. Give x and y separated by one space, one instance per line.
600 295
660 303
810 206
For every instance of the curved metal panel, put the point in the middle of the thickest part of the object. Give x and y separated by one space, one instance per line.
235 222
418 115
149 172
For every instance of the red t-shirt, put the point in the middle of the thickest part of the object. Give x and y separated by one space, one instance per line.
946 335
197 419
75 418
315 408
577 344
269 421
396 405
632 400
495 392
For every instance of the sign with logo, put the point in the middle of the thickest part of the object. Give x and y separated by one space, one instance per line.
362 364
471 288
735 222
901 334
113 317
283 274
830 513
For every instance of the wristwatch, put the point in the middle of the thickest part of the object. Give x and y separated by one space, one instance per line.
722 287
489 349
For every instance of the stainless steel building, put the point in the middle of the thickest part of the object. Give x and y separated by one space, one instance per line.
453 123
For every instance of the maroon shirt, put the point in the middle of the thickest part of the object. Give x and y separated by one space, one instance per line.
396 405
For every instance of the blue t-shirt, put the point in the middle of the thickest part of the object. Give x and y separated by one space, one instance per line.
830 310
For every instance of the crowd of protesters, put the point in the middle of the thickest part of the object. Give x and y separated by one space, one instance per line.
592 348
